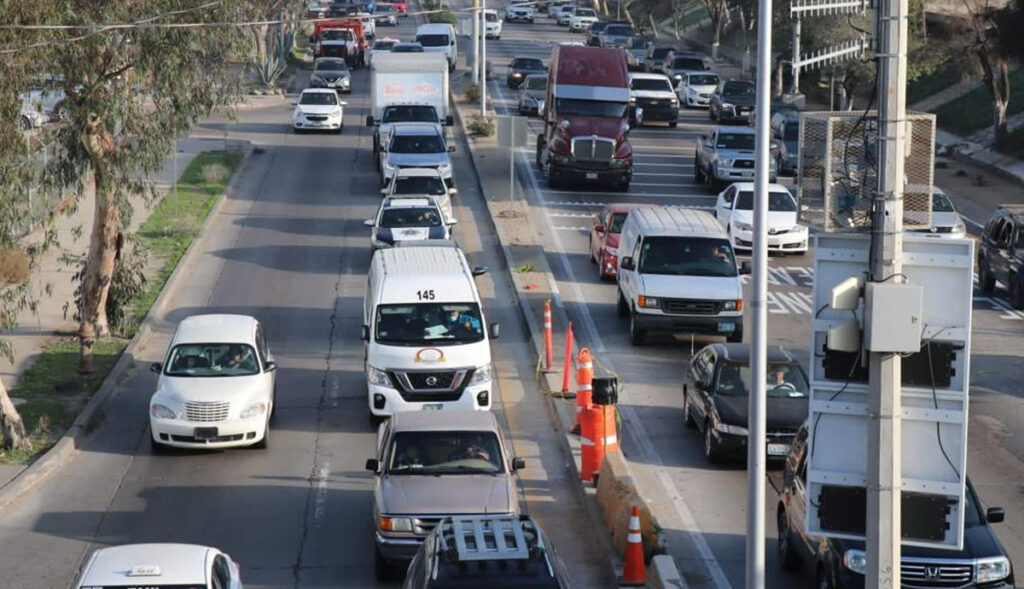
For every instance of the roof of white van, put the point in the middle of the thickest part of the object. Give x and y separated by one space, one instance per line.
655 220
432 28
207 329
410 269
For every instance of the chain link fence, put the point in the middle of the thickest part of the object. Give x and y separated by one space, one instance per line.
42 200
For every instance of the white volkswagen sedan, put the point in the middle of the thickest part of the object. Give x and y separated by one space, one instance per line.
187 566
216 385
734 209
318 109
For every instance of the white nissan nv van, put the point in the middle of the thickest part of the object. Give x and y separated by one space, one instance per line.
426 342
440 38
677 274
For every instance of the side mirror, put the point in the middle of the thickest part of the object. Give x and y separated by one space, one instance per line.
449 121
368 222
451 148
627 263
745 268
453 191
599 228
369 120
453 221
518 463
494 331
480 270
364 333
342 103
271 366
372 464
995 515
384 191
156 367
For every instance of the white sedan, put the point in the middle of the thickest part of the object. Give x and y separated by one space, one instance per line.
734 209
159 565
945 221
318 109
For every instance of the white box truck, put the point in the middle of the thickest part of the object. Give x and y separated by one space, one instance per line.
408 87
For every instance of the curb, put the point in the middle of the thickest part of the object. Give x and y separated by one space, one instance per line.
69 443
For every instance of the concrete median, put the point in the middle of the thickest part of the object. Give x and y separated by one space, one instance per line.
616 496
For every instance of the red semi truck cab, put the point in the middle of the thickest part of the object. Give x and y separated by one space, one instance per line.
586 126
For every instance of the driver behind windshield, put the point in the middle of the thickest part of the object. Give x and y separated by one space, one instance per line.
462 323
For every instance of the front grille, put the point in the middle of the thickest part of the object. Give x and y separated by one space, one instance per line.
413 386
689 307
648 102
926 574
744 164
431 380
316 118
703 95
195 440
206 411
593 148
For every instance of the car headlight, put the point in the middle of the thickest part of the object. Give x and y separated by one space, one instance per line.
675 101
959 228
855 561
648 302
677 77
728 105
735 430
445 168
336 113
482 374
394 524
726 162
254 410
992 569
736 305
162 411
517 74
377 377
346 81
740 225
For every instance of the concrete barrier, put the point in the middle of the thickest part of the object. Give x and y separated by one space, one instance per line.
663 574
616 496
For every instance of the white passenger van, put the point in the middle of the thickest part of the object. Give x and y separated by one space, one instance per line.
426 342
439 38
677 274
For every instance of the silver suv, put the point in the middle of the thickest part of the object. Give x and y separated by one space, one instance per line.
431 465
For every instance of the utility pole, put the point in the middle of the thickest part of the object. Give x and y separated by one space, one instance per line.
483 59
476 42
795 88
884 369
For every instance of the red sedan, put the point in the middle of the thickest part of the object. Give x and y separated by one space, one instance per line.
402 7
604 238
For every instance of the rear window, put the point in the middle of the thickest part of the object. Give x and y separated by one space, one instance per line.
654 84
410 113
490 17
528 63
536 82
432 40
432 185
598 27
660 52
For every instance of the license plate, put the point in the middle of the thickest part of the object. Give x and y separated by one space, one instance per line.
205 433
591 175
778 449
726 326
433 406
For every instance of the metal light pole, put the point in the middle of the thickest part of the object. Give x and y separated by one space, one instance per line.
476 42
483 59
795 88
884 370
757 424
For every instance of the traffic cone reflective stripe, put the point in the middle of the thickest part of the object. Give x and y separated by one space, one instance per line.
633 572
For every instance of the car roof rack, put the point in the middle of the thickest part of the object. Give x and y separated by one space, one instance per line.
487 538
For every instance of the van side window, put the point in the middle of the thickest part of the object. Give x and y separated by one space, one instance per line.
636 252
261 346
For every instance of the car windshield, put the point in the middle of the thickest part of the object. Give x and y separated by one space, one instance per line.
638 43
620 30
410 217
686 256
407 48
785 379
703 80
660 52
409 114
384 45
591 108
445 452
336 35
598 27
738 89
199 360
527 63
941 204
781 202
432 185
688 63
421 324
735 141
791 132
617 220
432 40
490 17
536 83
585 12
319 98
331 65
416 144
656 84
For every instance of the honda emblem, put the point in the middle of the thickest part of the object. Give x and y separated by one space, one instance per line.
932 573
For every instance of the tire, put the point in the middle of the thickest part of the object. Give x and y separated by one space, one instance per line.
601 276
709 181
1016 296
687 417
24 123
539 150
711 452
155 447
789 559
698 174
381 567
711 114
637 334
553 180
986 281
340 129
623 185
621 308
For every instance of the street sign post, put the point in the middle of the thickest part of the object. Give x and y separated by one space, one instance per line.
512 132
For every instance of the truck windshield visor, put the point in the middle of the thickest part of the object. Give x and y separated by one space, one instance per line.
687 256
433 40
422 324
591 108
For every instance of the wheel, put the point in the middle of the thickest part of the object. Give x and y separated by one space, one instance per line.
1016 296
340 129
156 447
24 123
381 566
711 113
698 176
986 281
273 405
637 335
709 180
540 149
710 445
600 269
822 580
687 418
623 185
622 308
788 557
553 180
297 130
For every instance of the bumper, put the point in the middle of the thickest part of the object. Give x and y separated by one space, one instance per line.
736 446
222 434
575 174
345 86
394 403
786 242
518 18
732 116
400 549
696 101
514 82
493 33
733 174
662 114
328 125
721 324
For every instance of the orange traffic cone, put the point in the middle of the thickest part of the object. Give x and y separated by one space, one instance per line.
633 572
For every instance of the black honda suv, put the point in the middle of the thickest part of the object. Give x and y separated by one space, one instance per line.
1001 253
841 564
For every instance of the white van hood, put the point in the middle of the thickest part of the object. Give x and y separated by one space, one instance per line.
717 288
387 357
211 388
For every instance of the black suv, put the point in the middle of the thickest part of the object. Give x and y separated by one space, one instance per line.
515 553
1001 253
840 564
733 102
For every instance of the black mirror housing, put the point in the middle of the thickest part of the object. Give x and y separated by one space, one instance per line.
745 268
369 121
156 367
372 464
995 515
480 270
364 333
627 263
518 463
449 121
494 331
271 366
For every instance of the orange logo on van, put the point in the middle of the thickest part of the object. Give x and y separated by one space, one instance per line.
429 355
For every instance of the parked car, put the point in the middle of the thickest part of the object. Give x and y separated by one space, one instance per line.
159 565
788 137
532 93
604 239
594 33
519 13
695 88
716 394
1001 253
333 73
515 553
734 209
733 102
318 109
839 563
520 67
652 99
581 19
656 57
216 386
407 219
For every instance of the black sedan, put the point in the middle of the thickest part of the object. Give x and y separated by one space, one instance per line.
733 102
522 67
716 393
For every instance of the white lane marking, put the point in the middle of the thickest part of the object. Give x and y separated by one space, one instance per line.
571 215
635 427
334 395
567 203
1008 313
320 498
573 229
642 147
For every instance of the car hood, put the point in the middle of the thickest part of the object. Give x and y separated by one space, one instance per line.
702 89
446 495
784 413
740 100
600 126
426 160
668 94
694 287
528 72
388 357
210 388
535 94
316 109
735 153
612 240
332 75
979 542
776 219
